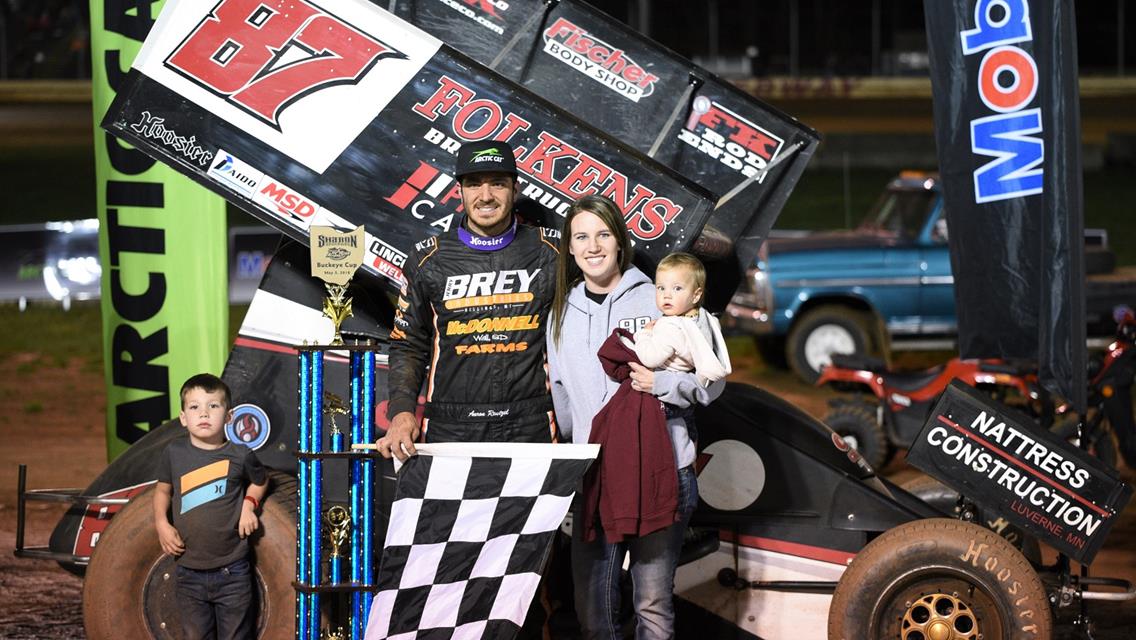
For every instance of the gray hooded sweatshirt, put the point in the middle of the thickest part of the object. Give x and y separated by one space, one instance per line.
580 388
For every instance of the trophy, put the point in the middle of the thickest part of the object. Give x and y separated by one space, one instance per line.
338 634
339 526
335 257
333 405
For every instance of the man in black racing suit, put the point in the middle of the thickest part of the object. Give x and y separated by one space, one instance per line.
472 313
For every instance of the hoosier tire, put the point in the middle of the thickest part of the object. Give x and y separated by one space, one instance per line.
856 423
945 499
939 578
129 590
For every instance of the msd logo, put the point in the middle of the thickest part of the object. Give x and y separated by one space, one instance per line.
598 60
287 203
725 136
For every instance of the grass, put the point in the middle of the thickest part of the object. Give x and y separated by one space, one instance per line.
57 336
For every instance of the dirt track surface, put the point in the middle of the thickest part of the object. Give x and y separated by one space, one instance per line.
51 418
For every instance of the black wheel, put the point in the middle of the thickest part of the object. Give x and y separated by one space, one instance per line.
1102 442
945 499
939 578
129 590
823 331
857 424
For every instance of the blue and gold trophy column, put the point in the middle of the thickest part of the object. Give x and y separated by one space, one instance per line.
347 529
343 530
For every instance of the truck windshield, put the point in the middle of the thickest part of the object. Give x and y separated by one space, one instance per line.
901 212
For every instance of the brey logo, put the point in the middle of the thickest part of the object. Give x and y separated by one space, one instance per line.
235 173
489 288
598 60
263 55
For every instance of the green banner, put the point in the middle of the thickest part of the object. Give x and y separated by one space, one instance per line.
162 240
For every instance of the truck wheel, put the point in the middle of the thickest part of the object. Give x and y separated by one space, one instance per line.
1101 443
856 423
939 578
822 332
129 590
945 499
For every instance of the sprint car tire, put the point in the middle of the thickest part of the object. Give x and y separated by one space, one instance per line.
129 590
930 577
856 423
823 331
945 499
1102 444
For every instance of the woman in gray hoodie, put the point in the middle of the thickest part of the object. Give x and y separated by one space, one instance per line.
598 290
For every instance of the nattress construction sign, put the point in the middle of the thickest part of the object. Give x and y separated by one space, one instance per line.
335 112
1006 463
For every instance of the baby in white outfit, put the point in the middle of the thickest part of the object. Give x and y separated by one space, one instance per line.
686 337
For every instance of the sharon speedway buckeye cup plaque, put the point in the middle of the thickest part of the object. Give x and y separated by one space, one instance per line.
338 113
1006 463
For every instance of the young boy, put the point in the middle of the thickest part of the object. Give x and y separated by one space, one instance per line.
213 514
686 338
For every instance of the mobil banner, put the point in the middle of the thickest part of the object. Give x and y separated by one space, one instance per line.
1007 126
1002 461
637 91
341 114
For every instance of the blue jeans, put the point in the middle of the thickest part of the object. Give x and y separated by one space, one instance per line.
215 604
596 568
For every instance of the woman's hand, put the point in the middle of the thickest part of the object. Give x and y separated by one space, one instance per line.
642 378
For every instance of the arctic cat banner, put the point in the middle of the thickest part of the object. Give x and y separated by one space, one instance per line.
637 91
162 240
1000 459
1007 124
364 132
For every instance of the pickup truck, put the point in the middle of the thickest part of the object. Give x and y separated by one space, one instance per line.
886 285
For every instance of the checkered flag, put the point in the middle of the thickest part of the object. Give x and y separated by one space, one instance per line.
469 532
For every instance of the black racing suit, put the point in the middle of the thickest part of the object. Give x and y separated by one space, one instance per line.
474 321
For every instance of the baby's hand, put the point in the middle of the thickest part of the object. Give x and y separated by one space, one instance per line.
650 325
249 521
170 539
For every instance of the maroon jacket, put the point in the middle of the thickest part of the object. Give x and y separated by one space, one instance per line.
634 487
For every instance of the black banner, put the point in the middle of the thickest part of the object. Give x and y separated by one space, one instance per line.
1007 124
639 92
253 114
1002 461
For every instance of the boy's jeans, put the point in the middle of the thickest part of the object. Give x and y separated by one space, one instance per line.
214 604
596 568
